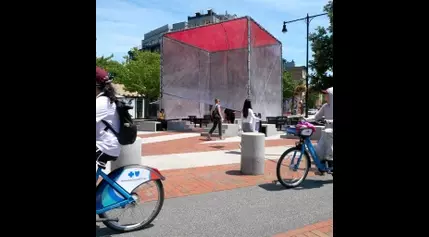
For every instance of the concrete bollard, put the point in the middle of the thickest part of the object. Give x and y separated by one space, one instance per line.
252 153
130 155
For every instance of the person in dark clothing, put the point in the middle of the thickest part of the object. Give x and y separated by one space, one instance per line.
230 115
217 120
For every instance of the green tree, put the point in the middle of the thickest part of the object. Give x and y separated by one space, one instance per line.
323 58
143 73
291 87
312 99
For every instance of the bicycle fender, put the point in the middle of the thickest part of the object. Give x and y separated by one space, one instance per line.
129 178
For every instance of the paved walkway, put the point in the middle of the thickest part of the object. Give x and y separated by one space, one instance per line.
201 159
212 168
320 229
192 142
199 180
255 211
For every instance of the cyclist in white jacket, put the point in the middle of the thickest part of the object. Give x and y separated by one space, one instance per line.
325 147
327 109
107 146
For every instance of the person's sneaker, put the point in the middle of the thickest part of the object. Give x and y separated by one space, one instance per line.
330 164
319 172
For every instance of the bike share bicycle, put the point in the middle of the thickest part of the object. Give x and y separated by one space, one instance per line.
122 190
300 155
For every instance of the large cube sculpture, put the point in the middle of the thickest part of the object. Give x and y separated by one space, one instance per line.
232 60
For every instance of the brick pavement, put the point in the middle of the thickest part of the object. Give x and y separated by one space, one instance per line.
200 180
156 134
320 229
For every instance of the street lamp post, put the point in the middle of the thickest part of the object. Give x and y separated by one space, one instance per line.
307 22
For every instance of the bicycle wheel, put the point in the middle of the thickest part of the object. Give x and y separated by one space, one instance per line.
149 201
290 181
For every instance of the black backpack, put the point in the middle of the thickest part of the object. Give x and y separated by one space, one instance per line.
127 131
215 114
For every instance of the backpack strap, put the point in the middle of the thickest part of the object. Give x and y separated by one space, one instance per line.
108 126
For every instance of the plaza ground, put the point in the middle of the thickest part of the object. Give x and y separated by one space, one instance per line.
206 195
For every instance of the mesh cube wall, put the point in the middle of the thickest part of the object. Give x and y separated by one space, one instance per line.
232 60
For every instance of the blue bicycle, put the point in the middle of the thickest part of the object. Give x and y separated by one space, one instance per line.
300 159
124 189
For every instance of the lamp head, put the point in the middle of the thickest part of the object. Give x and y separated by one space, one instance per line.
284 30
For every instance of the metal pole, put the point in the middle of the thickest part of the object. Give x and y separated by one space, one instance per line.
306 68
249 83
307 21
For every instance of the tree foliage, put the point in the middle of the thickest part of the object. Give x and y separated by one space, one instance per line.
312 99
143 73
322 47
289 85
140 74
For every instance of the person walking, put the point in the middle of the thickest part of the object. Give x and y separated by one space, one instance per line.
217 120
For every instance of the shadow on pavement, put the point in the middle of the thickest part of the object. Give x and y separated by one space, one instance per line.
233 152
218 147
306 184
234 172
106 232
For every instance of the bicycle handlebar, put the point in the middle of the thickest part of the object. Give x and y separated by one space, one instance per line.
321 122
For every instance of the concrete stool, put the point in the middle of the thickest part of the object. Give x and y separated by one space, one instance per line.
149 126
176 125
130 155
252 153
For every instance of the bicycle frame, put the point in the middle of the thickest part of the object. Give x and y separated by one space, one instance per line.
128 198
306 143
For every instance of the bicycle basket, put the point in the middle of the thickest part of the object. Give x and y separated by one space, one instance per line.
306 132
292 131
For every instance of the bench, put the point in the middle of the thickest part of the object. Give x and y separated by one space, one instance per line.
177 125
151 126
202 121
269 129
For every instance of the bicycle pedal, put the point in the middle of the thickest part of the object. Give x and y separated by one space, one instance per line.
274 182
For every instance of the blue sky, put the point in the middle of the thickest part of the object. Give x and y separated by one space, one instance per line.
121 24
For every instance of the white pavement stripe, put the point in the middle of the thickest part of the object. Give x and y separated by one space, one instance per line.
201 159
144 132
168 137
238 139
